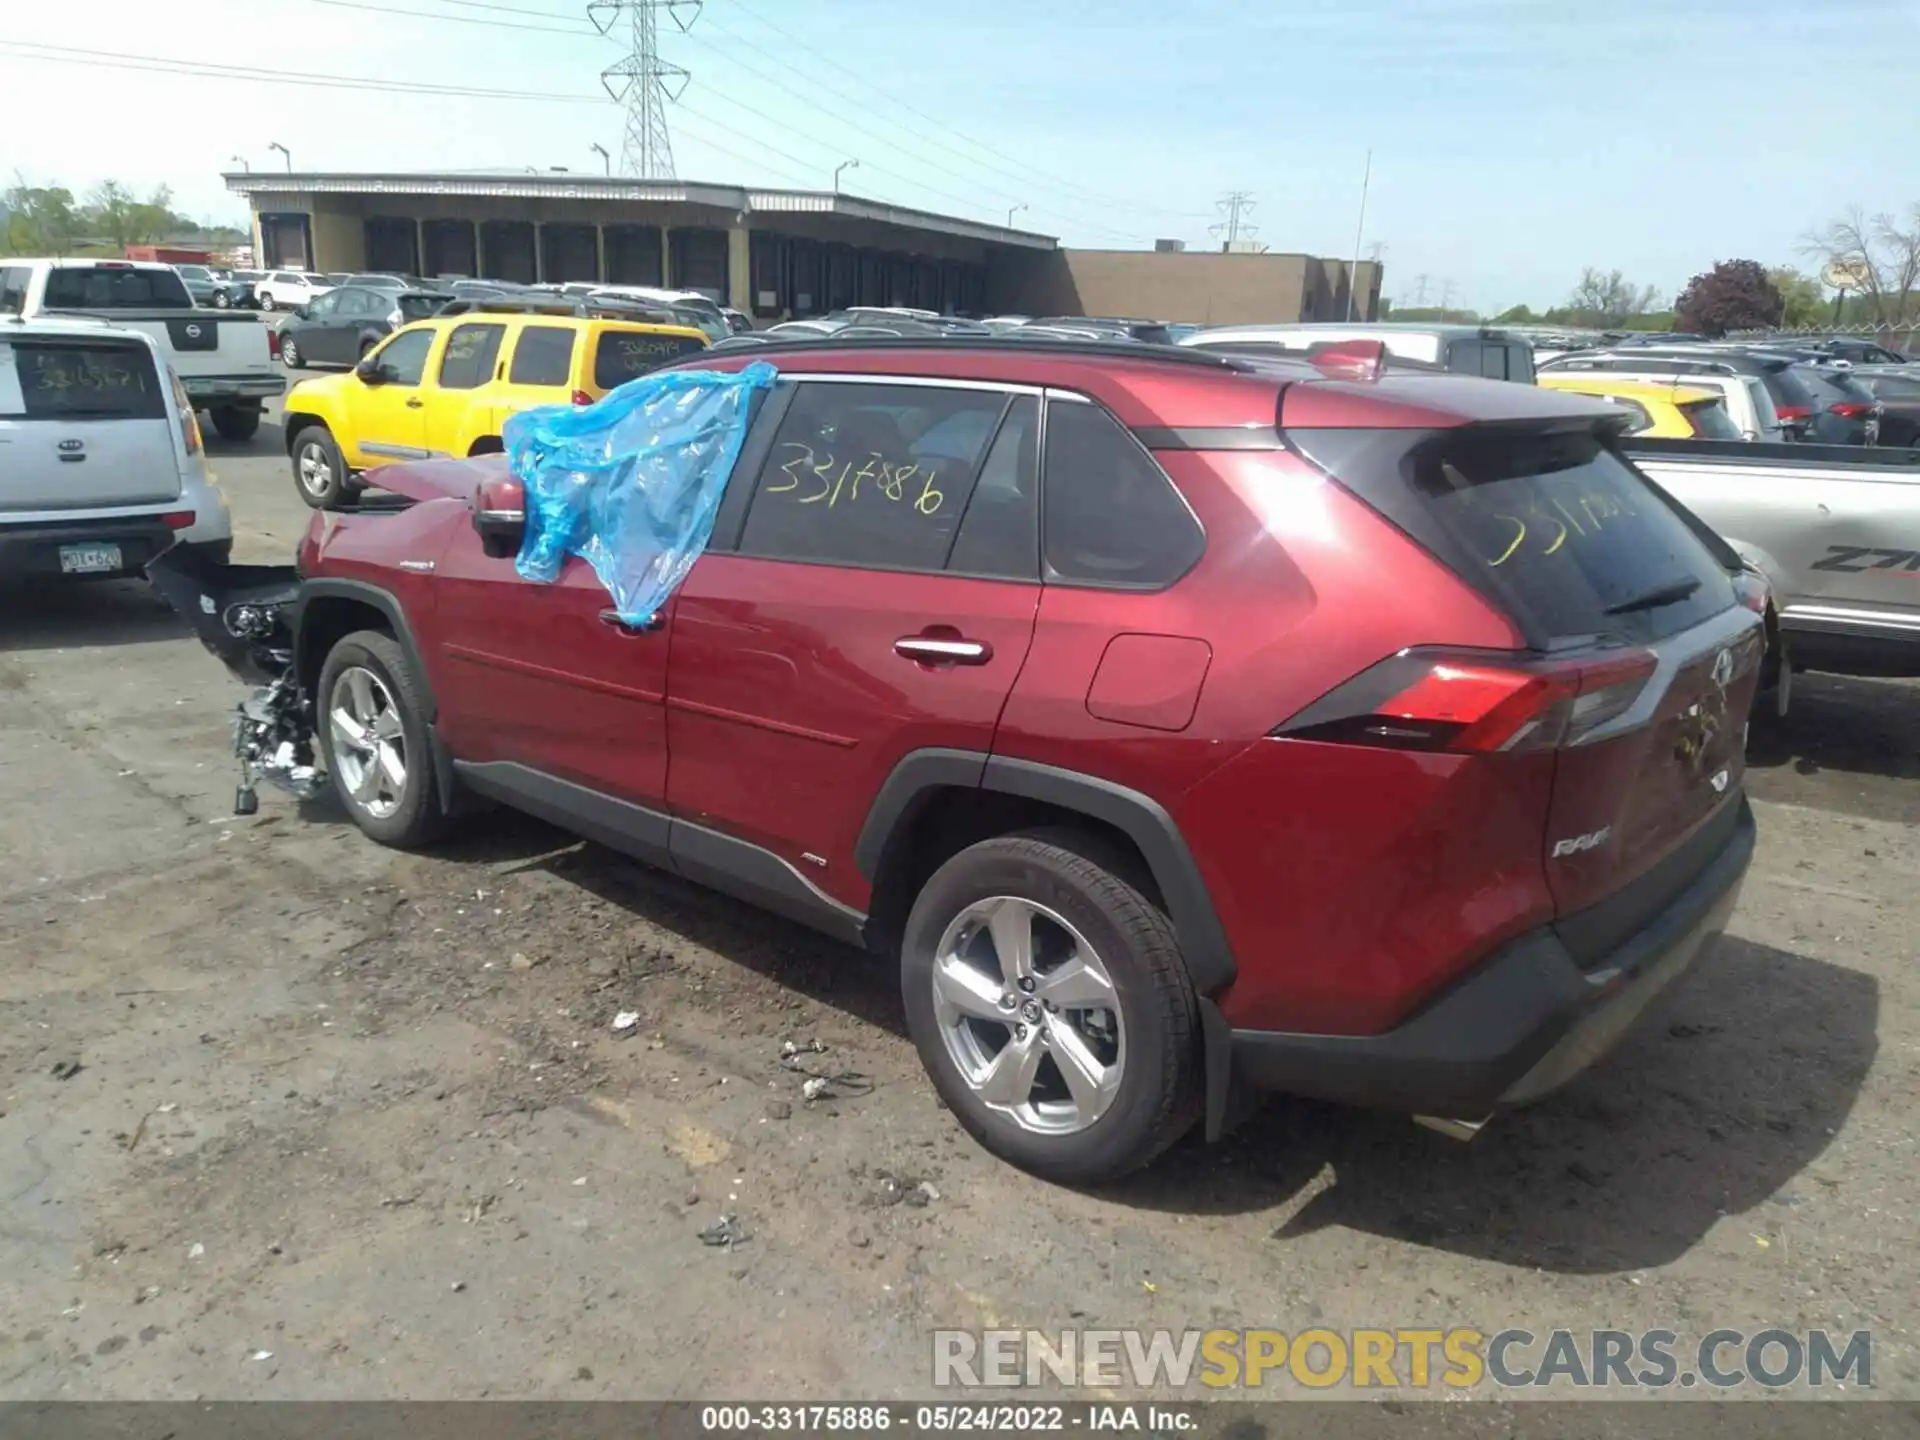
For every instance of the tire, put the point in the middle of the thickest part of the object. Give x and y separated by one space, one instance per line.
290 355
368 681
1056 876
235 422
319 469
265 300
221 300
366 348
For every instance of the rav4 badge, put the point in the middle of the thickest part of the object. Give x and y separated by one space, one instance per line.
1576 844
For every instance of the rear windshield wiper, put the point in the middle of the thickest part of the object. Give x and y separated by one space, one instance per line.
1671 593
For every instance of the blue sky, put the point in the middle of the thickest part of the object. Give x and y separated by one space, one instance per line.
1515 141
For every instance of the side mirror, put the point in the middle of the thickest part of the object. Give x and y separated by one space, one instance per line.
500 516
370 372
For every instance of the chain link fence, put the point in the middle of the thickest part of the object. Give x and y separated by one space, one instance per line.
1904 336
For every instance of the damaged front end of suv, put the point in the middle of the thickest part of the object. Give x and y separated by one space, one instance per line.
243 614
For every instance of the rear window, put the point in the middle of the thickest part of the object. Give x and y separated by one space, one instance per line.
543 355
620 355
79 380
72 287
1709 420
1552 525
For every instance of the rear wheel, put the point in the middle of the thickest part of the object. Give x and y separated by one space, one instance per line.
319 469
235 422
221 300
290 355
1050 1004
266 300
373 735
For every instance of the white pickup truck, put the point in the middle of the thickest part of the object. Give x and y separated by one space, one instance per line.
225 359
1835 529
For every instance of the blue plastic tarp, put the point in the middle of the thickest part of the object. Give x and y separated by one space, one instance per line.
631 484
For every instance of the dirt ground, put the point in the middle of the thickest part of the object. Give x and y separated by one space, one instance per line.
354 1124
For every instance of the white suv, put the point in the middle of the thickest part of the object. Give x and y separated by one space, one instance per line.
289 289
101 465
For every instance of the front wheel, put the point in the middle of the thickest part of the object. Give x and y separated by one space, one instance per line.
372 727
1050 1004
319 469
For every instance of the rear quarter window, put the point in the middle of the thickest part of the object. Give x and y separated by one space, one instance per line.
543 355
623 355
1552 525
79 380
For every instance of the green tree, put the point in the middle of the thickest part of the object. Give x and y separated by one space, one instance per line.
114 214
41 220
1516 315
1805 305
1605 300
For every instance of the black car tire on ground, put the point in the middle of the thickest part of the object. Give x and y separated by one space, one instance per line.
290 355
221 300
265 300
1079 879
236 422
320 470
417 816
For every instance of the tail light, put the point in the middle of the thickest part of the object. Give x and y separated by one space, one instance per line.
1475 702
273 343
1751 589
1349 359
178 519
1795 414
189 422
1850 410
581 397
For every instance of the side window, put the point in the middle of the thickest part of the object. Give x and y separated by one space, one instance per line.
282 277
1000 533
404 359
327 305
13 289
471 350
543 355
872 475
1111 516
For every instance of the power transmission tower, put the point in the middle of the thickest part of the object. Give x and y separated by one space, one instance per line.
1446 296
1236 205
1420 290
646 82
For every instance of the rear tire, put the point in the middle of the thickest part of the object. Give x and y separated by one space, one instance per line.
319 469
1094 936
266 301
371 720
221 300
290 355
235 422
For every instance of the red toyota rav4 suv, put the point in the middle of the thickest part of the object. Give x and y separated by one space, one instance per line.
1187 725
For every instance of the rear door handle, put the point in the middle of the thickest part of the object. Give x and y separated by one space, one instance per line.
931 650
612 618
414 402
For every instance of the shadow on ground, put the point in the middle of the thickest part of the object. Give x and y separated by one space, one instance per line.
1716 1104
1839 733
85 613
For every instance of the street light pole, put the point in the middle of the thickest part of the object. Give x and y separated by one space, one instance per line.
843 165
242 161
605 159
1015 210
1353 275
285 153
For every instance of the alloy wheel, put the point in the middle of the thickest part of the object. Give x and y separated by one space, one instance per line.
1029 1015
369 742
315 470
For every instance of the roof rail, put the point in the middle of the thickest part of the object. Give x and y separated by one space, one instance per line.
639 312
1117 349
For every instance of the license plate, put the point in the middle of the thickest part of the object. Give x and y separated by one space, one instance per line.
89 559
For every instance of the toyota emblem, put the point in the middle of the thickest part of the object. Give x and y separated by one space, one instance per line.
1723 669
193 332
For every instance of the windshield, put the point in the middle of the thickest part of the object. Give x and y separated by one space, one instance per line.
419 307
82 287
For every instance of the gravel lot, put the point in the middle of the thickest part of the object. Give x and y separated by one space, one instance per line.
349 1123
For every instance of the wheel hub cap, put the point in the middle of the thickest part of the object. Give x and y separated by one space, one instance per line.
1029 1015
369 742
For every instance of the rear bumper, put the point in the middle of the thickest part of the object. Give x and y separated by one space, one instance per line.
31 552
1519 1026
226 389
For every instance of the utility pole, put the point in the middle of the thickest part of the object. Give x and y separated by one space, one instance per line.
1359 229
645 81
1235 205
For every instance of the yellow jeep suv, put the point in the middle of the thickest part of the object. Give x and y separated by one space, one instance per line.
442 388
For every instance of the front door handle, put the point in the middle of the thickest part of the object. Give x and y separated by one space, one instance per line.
939 650
414 402
612 619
